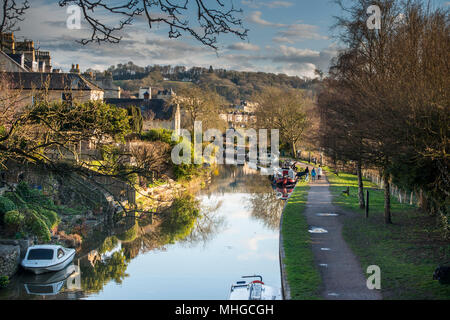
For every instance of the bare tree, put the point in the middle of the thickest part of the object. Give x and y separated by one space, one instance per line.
11 13
286 111
212 18
199 104
397 81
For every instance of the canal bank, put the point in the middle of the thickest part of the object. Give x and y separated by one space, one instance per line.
300 276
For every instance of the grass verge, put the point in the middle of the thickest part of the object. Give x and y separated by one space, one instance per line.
407 251
302 276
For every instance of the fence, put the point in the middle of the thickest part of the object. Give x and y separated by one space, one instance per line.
403 196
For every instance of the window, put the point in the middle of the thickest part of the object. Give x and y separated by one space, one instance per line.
38 97
66 97
60 253
40 254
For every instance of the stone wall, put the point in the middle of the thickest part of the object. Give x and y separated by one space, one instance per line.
9 259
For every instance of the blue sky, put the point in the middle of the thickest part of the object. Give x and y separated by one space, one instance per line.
286 36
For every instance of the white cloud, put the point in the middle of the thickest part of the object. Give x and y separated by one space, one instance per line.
283 40
243 46
272 4
255 17
279 4
298 32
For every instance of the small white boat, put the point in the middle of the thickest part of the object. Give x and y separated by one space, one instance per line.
47 258
253 290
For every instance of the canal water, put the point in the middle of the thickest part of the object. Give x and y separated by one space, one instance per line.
236 234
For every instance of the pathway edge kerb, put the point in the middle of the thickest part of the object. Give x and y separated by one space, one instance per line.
285 289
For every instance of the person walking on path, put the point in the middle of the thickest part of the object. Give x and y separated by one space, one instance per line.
319 172
313 174
307 173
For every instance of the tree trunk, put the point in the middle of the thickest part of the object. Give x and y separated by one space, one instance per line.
294 150
423 201
387 198
360 186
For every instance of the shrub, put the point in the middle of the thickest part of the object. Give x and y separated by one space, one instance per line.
184 171
163 135
16 199
70 240
37 225
14 219
5 206
50 217
4 281
23 190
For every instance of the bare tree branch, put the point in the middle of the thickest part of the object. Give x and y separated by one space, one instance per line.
212 19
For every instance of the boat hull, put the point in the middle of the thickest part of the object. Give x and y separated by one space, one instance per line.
50 268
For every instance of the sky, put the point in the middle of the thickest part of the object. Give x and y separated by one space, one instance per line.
293 37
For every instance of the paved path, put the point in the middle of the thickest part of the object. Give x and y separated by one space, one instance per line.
341 272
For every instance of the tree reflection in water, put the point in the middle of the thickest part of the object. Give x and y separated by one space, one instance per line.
208 225
187 223
263 203
113 268
267 208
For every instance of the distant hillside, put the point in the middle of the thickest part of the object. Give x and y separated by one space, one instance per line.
232 85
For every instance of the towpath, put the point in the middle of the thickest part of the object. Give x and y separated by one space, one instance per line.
342 276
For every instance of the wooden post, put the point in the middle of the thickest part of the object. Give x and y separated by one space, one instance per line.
367 203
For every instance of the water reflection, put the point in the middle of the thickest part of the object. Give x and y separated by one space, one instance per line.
205 243
52 283
64 284
265 207
112 268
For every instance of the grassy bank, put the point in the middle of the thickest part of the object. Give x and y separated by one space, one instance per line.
407 251
302 275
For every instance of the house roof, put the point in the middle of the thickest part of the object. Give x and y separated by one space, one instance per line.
15 59
161 109
50 81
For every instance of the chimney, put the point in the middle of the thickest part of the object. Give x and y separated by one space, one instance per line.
75 69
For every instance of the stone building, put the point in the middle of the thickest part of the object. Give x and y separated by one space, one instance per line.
25 54
53 87
237 119
105 81
12 64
